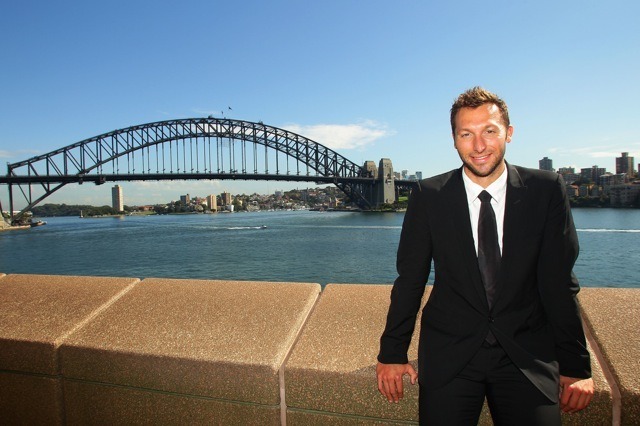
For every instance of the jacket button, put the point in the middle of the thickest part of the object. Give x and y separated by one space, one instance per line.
490 319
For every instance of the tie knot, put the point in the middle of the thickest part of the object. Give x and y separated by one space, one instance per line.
485 197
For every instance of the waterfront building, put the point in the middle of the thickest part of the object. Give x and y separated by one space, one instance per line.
624 164
212 203
624 195
568 174
571 177
572 190
546 164
592 173
609 179
225 198
583 190
419 175
185 199
117 199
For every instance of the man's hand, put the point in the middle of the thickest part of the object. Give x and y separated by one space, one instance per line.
390 379
575 394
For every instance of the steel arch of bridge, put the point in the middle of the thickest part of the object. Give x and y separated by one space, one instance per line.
194 148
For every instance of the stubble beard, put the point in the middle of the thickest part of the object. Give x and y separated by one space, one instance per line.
480 173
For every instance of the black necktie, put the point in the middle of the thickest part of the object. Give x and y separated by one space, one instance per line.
488 247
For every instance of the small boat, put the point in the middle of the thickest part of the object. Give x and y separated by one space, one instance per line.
37 223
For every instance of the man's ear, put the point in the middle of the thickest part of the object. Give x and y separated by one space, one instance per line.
509 133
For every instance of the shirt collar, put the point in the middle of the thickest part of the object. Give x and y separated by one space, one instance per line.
497 189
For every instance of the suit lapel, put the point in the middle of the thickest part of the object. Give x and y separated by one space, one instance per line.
515 215
456 200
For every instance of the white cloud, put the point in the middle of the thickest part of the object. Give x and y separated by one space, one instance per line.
18 153
342 136
602 151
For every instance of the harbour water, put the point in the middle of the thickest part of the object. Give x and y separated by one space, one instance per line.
292 246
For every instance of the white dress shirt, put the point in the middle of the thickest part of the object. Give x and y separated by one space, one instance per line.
498 192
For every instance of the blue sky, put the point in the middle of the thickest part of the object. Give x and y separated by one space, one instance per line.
370 79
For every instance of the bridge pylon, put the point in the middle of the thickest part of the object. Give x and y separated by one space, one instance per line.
383 189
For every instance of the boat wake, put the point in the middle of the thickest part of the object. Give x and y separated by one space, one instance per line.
240 228
621 231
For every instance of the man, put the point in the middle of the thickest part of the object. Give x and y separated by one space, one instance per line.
502 320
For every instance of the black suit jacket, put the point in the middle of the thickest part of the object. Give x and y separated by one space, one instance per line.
535 316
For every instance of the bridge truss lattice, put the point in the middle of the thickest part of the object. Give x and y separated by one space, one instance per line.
185 149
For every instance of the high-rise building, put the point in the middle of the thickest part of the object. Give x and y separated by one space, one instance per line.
419 175
225 198
546 164
624 164
609 179
592 173
185 199
117 200
212 203
569 174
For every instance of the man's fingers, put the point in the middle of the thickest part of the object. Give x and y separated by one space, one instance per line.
412 374
394 390
390 380
386 390
399 388
576 396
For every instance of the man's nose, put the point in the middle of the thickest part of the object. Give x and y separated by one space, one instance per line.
479 144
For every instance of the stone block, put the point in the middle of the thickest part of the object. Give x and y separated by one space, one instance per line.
311 418
612 316
30 399
38 312
332 368
97 404
216 339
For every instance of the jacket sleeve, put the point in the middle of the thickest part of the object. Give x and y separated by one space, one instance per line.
413 265
558 285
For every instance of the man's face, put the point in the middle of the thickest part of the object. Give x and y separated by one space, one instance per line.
480 139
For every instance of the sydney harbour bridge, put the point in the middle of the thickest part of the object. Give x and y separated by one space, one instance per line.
199 149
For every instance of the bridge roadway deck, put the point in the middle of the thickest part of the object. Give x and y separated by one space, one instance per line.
108 350
103 178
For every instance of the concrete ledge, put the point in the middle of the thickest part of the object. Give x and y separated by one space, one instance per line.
332 368
30 399
225 340
92 403
37 312
78 350
613 319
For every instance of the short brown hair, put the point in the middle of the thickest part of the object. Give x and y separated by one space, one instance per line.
475 97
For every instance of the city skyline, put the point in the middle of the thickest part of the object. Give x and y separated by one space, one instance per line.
369 82
543 164
187 187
